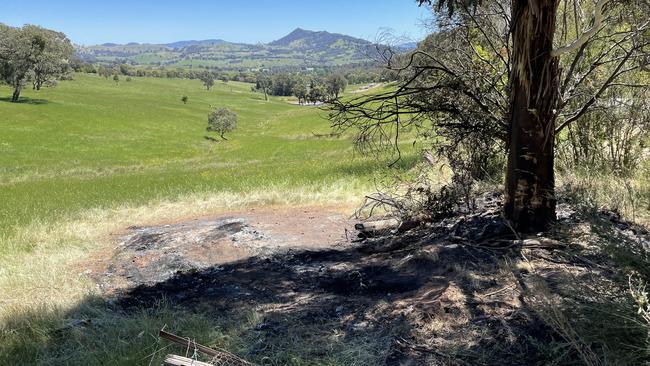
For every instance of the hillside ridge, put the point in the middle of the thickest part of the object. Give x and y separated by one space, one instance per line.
301 47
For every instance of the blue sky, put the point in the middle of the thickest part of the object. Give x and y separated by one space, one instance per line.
119 21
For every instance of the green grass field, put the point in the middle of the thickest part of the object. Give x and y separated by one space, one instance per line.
90 143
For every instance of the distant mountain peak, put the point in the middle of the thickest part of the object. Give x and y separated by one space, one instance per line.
310 38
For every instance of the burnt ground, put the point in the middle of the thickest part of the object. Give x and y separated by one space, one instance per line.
461 291
146 255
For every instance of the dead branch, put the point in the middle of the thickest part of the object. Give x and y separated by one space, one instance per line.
190 344
586 35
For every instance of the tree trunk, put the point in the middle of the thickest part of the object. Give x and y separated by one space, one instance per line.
16 95
530 182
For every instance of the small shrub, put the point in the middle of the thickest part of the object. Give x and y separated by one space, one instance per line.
184 99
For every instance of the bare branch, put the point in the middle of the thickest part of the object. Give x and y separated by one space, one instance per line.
586 35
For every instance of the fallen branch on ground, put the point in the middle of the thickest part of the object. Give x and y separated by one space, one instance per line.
174 360
379 227
219 357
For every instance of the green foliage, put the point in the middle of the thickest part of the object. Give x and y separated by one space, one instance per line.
222 121
125 69
610 139
104 71
184 99
301 90
450 6
264 83
335 84
282 84
316 91
306 88
208 80
32 53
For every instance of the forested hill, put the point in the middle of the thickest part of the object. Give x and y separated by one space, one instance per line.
299 48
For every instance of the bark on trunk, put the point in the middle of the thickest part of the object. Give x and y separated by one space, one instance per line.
530 181
16 95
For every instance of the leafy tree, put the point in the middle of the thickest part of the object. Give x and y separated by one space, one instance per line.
208 80
32 53
104 71
184 99
264 83
301 90
55 61
335 85
125 69
116 79
222 121
282 84
317 91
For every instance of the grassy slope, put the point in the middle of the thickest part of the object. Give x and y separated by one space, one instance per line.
90 143
89 158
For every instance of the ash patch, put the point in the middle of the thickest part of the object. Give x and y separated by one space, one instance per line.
148 255
183 234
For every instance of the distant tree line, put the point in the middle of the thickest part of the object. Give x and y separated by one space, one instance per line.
32 54
355 74
307 88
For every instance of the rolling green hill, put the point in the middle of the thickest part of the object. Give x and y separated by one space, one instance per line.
299 48
90 143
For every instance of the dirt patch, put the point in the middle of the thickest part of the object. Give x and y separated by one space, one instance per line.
367 88
151 254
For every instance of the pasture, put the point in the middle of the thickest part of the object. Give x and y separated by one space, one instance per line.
87 159
91 143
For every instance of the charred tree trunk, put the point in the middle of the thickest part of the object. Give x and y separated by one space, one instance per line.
530 182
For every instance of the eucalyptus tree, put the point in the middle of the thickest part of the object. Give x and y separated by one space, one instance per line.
208 79
222 121
54 61
301 90
335 85
264 83
512 73
32 53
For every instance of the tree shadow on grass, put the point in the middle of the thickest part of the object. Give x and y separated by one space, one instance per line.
425 300
26 100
